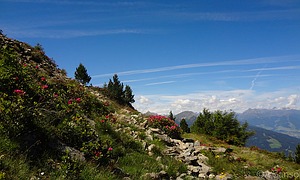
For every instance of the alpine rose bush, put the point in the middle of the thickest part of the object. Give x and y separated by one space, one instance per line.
165 124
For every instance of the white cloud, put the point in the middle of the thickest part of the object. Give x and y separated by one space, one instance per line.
144 100
292 100
236 100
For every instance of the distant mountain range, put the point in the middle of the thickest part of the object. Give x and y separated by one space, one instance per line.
274 128
286 121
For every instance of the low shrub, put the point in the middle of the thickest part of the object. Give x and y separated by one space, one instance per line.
165 124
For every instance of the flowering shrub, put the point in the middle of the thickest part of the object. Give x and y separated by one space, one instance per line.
166 124
277 169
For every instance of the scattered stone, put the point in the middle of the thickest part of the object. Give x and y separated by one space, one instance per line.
211 176
219 150
155 130
150 148
196 143
270 176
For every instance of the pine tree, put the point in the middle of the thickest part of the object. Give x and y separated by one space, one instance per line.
297 154
128 96
171 116
184 126
115 88
81 75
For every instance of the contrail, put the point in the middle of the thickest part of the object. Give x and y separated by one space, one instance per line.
253 81
256 77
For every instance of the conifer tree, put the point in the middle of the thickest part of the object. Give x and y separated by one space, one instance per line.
171 116
81 75
297 154
116 91
184 126
128 96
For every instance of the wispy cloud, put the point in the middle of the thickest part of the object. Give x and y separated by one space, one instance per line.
71 2
263 60
159 83
61 34
276 68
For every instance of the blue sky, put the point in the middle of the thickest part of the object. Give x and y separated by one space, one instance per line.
175 55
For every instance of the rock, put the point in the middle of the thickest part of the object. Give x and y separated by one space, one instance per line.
202 176
164 138
144 124
270 176
75 154
155 130
158 158
192 160
202 158
204 168
197 143
156 176
144 145
211 176
163 175
219 150
126 178
150 148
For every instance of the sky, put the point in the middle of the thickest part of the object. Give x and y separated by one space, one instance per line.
176 55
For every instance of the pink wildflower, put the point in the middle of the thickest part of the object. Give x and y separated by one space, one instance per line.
43 78
70 101
78 100
97 153
45 86
19 92
110 149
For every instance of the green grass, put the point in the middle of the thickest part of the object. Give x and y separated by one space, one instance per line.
274 143
138 164
244 160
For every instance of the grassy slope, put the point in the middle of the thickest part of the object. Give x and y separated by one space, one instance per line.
52 127
247 161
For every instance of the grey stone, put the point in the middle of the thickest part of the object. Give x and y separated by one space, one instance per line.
197 143
163 137
155 130
270 176
219 150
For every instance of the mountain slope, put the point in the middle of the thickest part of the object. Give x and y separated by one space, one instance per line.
189 116
286 121
53 127
263 138
272 141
